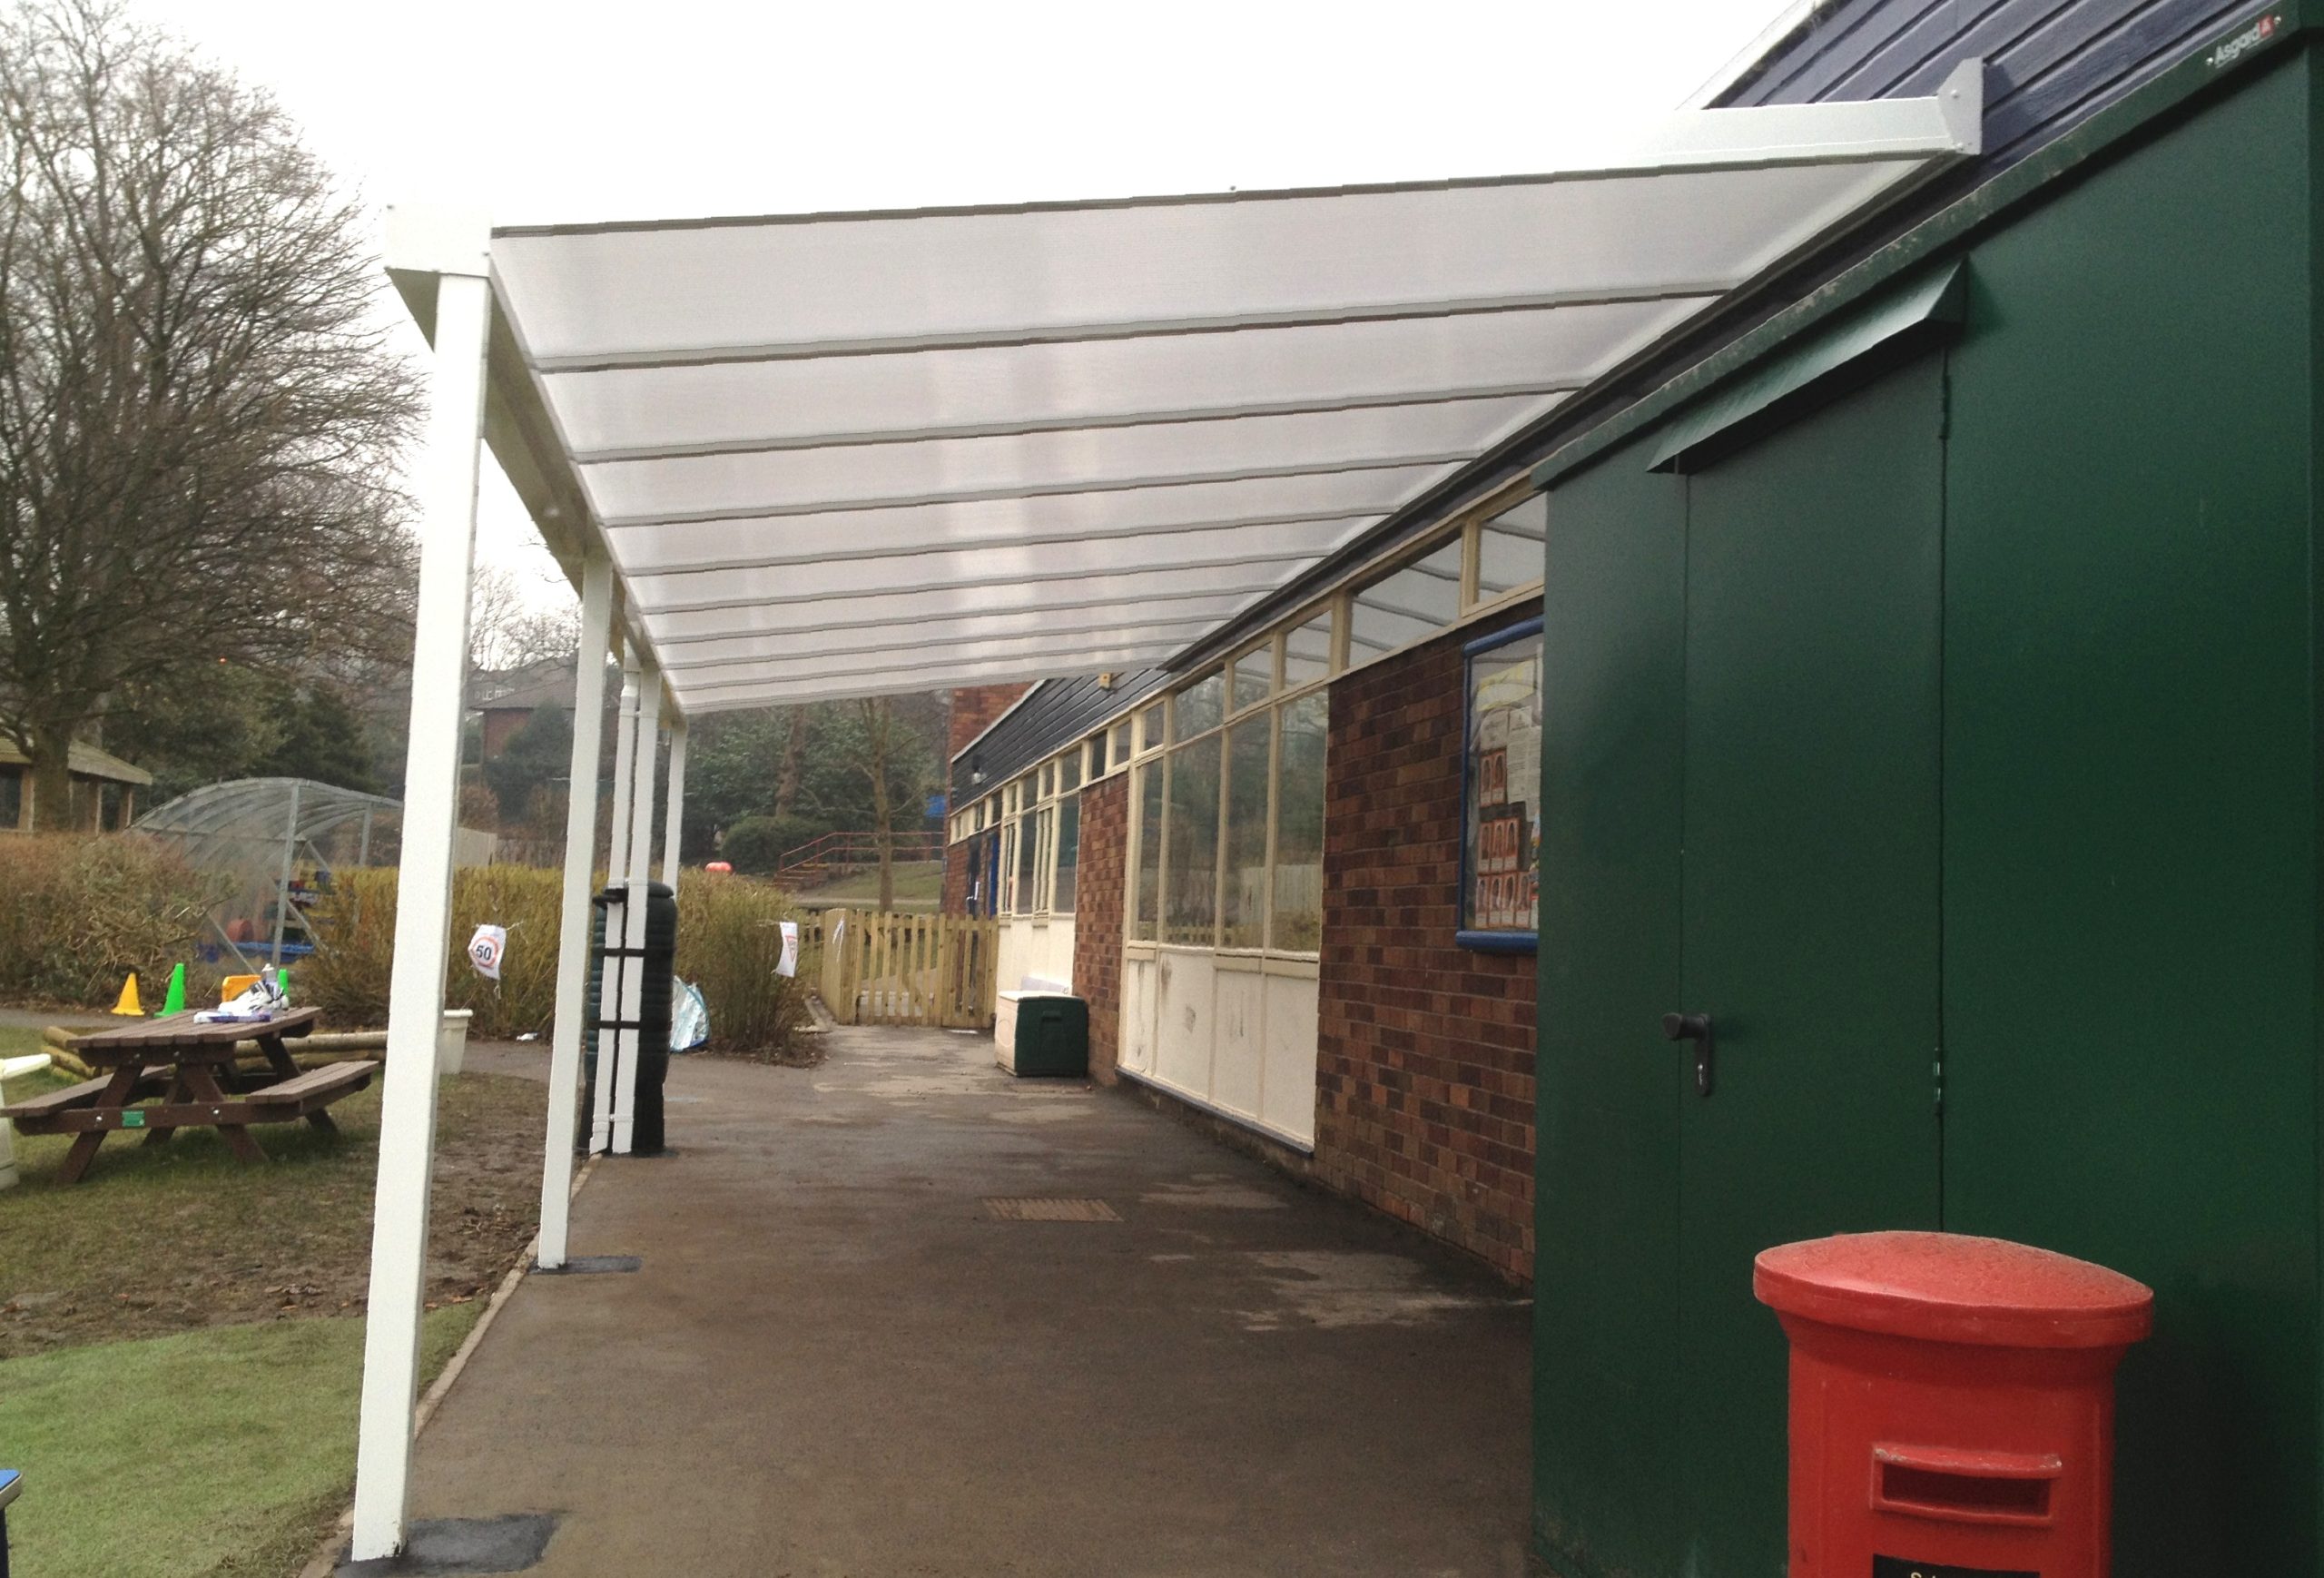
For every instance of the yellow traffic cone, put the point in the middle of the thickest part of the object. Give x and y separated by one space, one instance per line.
128 1006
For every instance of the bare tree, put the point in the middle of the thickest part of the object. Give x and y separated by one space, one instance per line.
507 631
879 750
198 417
794 761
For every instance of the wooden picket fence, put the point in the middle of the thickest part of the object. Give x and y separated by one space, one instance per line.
884 968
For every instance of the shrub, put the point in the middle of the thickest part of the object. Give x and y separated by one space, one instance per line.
728 943
730 938
347 976
81 912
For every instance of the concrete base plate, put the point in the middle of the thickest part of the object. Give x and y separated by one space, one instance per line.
585 1265
451 1547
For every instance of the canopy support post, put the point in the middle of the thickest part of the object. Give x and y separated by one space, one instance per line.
572 911
282 882
601 1104
673 812
633 910
448 495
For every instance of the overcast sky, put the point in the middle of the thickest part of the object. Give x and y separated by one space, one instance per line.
585 109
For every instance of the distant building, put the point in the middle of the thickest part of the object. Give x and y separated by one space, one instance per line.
506 698
104 789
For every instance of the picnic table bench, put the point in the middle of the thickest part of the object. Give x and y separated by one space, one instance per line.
191 1066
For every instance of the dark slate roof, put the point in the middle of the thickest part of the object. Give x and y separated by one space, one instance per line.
2050 64
1053 714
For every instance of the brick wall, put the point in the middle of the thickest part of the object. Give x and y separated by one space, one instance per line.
955 900
1425 1077
1097 918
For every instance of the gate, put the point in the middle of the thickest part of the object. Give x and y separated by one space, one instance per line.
937 971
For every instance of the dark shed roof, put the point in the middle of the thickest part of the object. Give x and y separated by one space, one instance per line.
1053 714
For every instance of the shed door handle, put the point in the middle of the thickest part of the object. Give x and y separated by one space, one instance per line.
1695 1028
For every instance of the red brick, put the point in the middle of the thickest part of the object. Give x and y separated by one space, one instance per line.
1425 1087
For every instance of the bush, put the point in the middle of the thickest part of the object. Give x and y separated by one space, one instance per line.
758 844
347 976
728 943
730 938
81 912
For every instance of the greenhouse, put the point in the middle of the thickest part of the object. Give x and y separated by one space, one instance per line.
280 840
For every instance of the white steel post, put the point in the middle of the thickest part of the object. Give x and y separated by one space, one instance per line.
632 909
423 916
573 913
282 882
601 1103
675 808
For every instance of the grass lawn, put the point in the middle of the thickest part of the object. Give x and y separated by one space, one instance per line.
920 884
216 1451
179 1361
164 1238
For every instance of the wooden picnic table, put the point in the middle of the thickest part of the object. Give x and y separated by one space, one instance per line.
191 1065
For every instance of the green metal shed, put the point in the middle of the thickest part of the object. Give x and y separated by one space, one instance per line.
1932 698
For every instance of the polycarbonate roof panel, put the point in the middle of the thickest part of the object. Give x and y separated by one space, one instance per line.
850 454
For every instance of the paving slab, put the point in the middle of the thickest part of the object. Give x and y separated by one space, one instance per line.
901 1316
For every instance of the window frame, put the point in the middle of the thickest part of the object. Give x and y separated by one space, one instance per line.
1465 936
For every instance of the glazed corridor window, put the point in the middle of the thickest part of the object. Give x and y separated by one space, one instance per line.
1040 839
1228 822
1298 918
1501 797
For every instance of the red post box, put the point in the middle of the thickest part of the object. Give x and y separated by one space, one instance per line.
1952 1404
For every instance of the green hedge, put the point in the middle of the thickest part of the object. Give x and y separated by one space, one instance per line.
729 939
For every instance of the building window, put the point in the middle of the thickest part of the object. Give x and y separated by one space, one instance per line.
1297 923
1227 832
1408 604
1068 860
1024 885
12 798
1509 548
1253 676
1243 894
1190 843
1197 709
1146 901
1308 651
1501 793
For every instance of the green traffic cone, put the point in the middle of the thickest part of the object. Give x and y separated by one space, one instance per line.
173 1001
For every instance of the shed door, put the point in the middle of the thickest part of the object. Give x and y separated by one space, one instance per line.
1808 906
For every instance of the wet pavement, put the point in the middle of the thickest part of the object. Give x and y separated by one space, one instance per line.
901 1315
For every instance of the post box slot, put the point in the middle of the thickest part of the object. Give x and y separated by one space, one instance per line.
1966 1487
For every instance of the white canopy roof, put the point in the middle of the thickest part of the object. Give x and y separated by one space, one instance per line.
847 454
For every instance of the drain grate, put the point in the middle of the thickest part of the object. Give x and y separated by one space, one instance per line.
1032 1209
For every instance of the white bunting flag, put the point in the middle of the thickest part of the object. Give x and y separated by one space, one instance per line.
486 948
